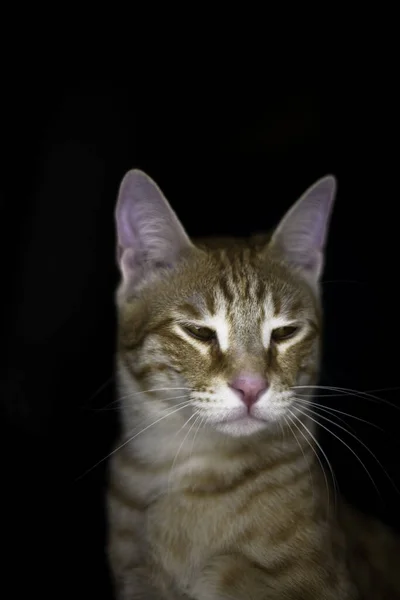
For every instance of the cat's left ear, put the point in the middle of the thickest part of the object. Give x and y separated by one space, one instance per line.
301 236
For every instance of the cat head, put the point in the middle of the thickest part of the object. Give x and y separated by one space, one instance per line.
224 332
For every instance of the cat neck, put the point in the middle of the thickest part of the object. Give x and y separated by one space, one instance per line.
204 459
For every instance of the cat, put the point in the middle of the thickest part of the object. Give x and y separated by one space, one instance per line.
215 490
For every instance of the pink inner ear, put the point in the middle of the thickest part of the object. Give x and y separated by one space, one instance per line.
127 264
125 228
302 233
147 227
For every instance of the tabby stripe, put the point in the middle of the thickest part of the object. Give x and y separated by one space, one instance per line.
190 310
128 462
227 293
146 370
249 475
122 497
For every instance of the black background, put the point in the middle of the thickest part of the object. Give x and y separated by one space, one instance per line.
231 159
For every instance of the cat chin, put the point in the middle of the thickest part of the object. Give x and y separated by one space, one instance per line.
242 427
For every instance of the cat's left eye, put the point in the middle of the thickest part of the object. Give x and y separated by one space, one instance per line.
201 333
284 333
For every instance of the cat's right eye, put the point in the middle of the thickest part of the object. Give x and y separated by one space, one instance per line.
200 333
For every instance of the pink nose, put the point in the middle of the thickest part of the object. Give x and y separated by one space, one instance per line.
250 387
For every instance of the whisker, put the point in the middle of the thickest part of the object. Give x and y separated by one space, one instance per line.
343 442
163 410
130 439
302 451
201 418
344 281
117 400
185 423
315 406
373 391
326 395
387 389
114 403
331 410
363 444
195 414
335 487
282 430
350 392
163 389
106 408
98 391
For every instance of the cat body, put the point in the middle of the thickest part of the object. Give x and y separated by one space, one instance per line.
216 491
233 522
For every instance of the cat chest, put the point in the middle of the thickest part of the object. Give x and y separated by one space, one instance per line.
186 531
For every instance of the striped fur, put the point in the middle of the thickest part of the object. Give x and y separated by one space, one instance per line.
205 501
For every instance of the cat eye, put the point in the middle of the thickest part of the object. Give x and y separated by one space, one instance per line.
283 333
200 333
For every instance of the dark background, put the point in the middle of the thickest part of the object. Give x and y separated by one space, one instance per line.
231 159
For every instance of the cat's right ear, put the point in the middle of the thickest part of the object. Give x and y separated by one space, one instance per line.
149 234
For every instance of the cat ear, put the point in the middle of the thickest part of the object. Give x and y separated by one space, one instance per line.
301 235
149 234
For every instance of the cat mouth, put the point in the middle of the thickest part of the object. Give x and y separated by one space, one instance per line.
243 418
242 425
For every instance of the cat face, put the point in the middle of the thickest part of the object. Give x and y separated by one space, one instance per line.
221 334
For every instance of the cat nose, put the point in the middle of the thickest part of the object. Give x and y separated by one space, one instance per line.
249 387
